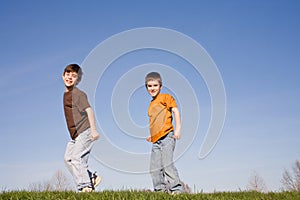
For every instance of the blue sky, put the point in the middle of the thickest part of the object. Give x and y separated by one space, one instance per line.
255 46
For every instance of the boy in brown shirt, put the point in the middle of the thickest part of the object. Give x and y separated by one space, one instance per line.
82 128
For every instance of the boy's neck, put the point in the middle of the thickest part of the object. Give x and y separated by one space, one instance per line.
69 89
155 96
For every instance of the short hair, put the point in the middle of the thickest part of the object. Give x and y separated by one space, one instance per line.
74 68
153 76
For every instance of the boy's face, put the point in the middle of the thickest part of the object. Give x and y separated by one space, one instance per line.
153 88
70 79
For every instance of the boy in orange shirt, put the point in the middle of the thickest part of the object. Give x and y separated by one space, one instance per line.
163 136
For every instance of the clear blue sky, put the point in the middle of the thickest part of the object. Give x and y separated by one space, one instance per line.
255 45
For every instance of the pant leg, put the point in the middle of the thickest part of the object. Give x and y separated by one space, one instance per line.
77 162
171 173
68 156
156 168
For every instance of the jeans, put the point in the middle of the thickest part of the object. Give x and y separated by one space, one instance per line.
163 172
76 159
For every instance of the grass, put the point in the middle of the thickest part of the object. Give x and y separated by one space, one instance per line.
136 195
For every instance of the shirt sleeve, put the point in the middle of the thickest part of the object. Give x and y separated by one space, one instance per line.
83 102
171 103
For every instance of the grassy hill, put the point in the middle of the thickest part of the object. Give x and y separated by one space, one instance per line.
135 195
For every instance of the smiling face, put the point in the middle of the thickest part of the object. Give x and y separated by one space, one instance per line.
70 79
153 87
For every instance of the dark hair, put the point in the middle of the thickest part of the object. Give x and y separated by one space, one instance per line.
74 68
153 76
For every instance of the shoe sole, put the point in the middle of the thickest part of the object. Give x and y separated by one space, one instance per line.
97 181
87 189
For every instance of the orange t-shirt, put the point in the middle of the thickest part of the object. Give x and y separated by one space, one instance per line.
160 115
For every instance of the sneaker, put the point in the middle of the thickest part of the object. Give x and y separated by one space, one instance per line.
176 192
87 189
95 180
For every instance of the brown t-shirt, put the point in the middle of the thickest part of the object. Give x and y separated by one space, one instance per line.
75 103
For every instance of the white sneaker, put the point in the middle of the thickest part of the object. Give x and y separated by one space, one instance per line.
86 189
95 180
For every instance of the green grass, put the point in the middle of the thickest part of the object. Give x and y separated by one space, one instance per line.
135 195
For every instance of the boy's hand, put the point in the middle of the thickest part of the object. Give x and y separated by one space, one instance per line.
177 135
149 138
95 135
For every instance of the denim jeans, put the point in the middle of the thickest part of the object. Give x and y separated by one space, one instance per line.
163 172
76 158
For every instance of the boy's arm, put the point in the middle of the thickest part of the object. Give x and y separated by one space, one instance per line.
91 117
176 113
